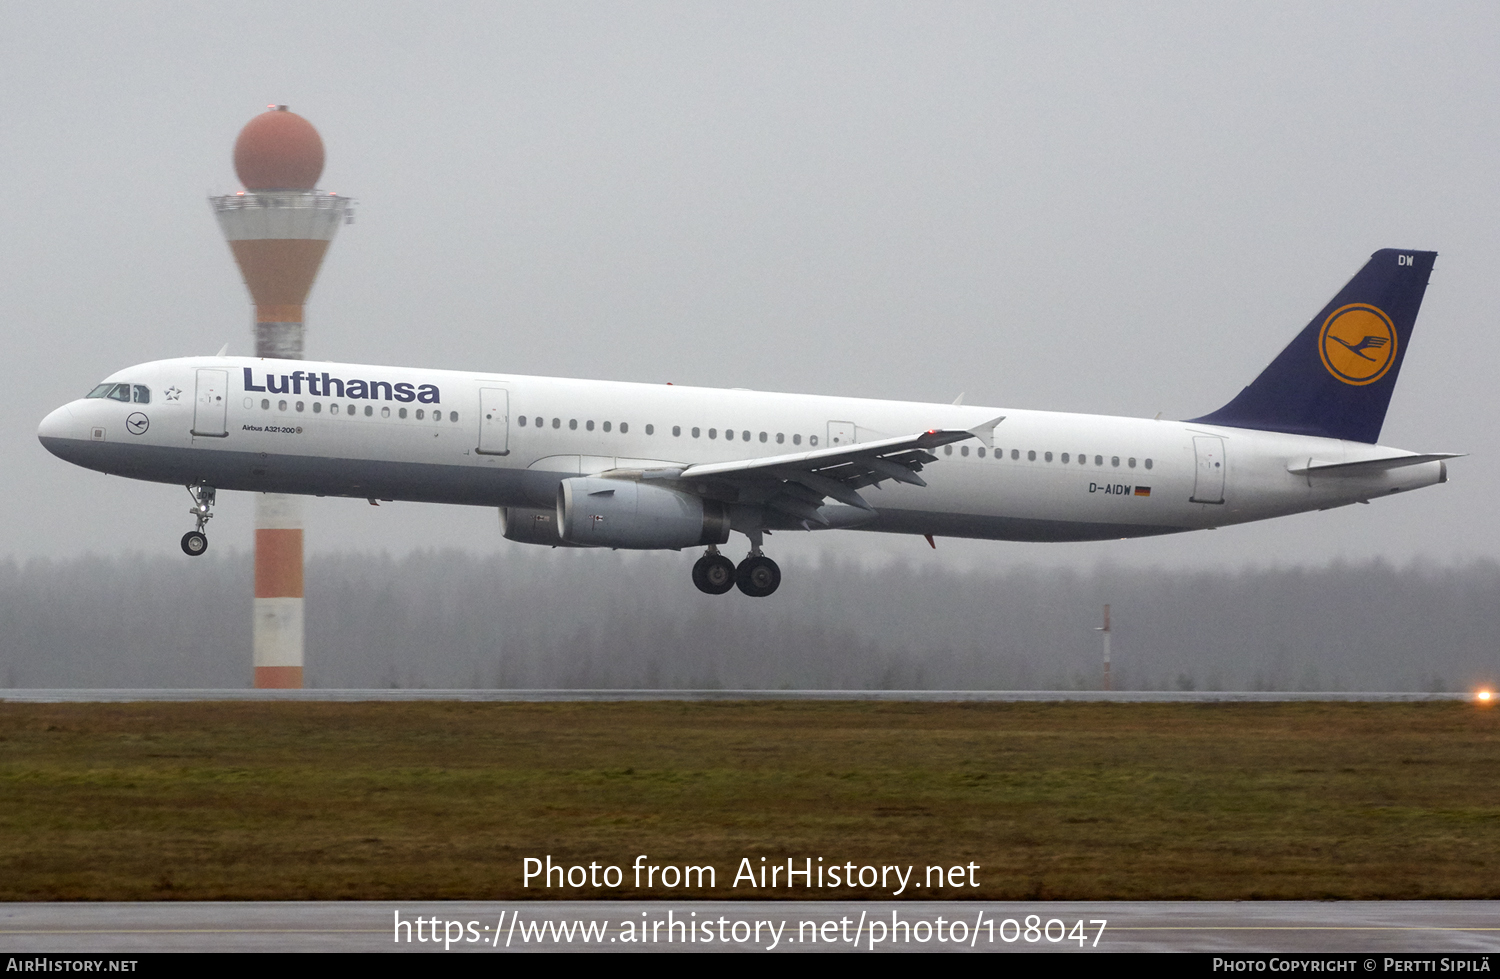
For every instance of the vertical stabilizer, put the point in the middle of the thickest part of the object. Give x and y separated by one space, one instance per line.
1335 379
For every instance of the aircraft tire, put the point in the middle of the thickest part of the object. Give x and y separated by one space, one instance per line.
757 576
714 574
194 543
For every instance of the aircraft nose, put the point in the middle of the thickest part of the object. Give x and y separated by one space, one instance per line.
60 424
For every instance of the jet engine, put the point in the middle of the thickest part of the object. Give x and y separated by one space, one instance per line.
530 525
627 513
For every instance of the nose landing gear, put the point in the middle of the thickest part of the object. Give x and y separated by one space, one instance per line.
195 542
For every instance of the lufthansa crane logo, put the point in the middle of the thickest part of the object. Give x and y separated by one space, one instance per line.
1358 344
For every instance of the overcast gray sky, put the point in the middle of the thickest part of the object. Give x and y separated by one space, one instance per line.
1116 208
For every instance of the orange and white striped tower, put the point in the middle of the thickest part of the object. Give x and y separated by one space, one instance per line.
279 229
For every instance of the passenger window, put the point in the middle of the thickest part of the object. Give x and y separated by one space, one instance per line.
947 450
299 406
369 411
281 406
352 409
1115 461
1048 457
763 436
265 404
1083 459
521 421
420 413
780 437
400 412
677 431
624 427
1031 455
142 394
650 429
713 433
589 425
695 433
606 426
385 411
1131 462
453 416
557 423
812 440
540 421
1098 460
981 452
318 409
572 422
1148 463
1015 453
746 436
963 451
796 440
1063 458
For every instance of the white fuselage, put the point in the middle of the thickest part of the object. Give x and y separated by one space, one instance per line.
424 436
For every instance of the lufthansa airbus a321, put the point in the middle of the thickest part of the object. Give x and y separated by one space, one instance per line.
582 463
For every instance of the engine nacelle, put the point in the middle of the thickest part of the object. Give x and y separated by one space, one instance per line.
529 525
594 512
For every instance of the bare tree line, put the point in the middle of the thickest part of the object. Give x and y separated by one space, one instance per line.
591 619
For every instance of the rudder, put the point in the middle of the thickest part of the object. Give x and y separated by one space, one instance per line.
1335 379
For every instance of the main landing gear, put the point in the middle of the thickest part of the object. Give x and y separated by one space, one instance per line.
757 575
195 542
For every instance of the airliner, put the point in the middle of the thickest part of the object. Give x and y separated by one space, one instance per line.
585 463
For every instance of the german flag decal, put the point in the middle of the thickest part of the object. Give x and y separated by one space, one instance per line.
1143 491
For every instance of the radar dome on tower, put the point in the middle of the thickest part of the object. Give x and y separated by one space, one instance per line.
278 150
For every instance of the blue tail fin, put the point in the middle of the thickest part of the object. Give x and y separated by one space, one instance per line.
1335 379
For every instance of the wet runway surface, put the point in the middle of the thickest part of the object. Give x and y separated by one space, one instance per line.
79 696
1356 927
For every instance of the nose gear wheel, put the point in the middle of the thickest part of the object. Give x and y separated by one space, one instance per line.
195 542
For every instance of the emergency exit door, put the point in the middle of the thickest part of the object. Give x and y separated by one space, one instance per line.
494 422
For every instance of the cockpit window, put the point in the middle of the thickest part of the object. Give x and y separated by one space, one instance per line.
118 392
123 392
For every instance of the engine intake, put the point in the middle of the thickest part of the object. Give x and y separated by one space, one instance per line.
530 525
638 515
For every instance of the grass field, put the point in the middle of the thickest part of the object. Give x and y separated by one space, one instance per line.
193 801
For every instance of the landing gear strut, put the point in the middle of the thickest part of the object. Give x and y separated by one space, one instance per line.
714 573
195 542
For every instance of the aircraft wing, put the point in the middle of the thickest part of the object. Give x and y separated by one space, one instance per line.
797 483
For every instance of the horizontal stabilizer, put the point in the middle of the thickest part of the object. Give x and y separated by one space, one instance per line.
1365 467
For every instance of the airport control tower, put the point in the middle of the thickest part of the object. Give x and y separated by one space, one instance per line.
279 228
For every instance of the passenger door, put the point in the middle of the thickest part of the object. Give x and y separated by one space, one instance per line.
211 409
1208 487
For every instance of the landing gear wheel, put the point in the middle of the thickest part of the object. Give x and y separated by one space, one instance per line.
194 543
757 576
713 574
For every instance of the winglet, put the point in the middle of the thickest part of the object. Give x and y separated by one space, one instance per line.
986 432
224 352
